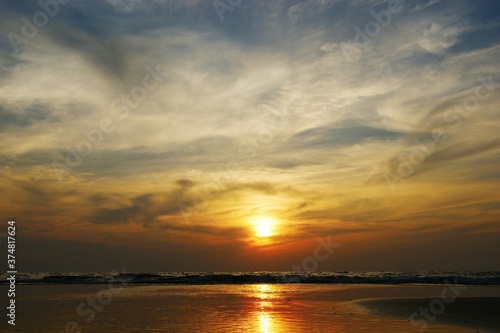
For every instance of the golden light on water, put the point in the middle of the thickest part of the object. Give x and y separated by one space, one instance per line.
266 322
263 290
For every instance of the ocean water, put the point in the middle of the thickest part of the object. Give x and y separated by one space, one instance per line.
203 278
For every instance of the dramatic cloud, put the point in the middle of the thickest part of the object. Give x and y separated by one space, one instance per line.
171 126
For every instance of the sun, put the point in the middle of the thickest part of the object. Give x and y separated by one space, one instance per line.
263 228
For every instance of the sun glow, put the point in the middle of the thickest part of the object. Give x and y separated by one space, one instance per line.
263 228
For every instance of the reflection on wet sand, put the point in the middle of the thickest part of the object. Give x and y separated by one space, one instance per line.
271 308
221 308
267 321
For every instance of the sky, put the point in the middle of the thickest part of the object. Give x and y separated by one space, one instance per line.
237 135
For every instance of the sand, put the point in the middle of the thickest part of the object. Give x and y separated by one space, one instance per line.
239 308
478 313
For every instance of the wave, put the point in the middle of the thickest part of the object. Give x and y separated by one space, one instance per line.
201 278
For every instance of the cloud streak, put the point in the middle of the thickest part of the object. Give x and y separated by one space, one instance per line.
261 116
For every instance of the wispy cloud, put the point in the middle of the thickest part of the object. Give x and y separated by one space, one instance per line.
268 90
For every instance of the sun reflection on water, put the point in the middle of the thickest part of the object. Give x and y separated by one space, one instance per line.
266 320
264 291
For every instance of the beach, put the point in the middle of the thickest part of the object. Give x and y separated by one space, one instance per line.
248 308
477 313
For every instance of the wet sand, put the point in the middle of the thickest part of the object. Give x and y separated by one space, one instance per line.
227 308
478 313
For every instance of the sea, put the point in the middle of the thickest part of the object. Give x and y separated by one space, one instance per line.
262 277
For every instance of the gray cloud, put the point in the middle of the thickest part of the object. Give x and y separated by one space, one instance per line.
33 114
322 137
144 209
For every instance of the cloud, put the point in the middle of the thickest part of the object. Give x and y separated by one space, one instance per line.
264 106
144 209
337 137
437 39
33 114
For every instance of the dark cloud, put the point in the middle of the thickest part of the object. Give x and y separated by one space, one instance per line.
144 209
185 183
229 232
205 152
100 47
440 158
28 116
76 27
323 137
